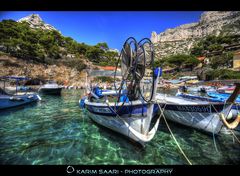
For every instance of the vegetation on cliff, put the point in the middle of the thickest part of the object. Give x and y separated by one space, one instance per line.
50 47
179 61
214 44
223 74
215 49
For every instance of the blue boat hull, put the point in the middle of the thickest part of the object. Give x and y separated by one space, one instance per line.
221 96
125 110
7 101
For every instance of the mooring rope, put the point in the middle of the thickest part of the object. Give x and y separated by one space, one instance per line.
214 140
229 129
235 136
189 162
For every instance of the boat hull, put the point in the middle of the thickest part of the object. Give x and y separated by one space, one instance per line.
134 116
213 97
7 101
201 117
51 91
117 125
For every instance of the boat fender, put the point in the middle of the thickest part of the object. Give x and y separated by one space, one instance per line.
124 98
98 92
231 125
82 102
232 114
158 71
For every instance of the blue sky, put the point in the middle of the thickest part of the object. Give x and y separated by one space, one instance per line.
111 27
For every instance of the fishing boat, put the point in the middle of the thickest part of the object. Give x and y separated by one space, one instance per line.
228 89
130 111
221 96
200 114
212 97
195 89
51 87
8 100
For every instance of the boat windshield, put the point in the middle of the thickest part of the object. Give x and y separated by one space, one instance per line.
17 79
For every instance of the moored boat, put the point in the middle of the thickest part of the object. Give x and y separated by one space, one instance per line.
212 97
200 114
130 111
51 87
13 100
228 89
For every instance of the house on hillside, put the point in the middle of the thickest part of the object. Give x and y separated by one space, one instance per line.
203 59
107 68
108 71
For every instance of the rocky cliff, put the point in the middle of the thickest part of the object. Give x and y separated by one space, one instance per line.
62 74
35 21
182 38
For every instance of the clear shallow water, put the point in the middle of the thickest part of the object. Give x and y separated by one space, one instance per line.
57 131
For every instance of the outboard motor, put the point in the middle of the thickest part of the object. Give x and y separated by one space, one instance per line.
183 88
203 90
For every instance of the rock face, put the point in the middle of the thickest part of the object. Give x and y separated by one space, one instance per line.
35 21
182 38
60 73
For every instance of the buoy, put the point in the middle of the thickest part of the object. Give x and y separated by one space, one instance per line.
231 125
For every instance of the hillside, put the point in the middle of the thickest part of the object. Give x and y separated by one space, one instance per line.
31 41
38 71
180 40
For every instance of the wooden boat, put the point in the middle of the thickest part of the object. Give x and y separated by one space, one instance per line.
12 100
131 112
212 97
222 96
200 114
227 89
51 87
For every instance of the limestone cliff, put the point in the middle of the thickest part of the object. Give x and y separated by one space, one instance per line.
182 38
35 21
62 74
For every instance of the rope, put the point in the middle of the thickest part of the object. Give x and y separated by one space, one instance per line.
229 129
214 140
235 136
189 162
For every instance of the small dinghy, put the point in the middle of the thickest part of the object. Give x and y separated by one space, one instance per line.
129 109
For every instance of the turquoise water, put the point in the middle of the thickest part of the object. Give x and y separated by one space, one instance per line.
57 131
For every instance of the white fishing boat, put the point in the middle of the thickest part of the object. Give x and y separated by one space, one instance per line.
128 111
200 114
51 87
